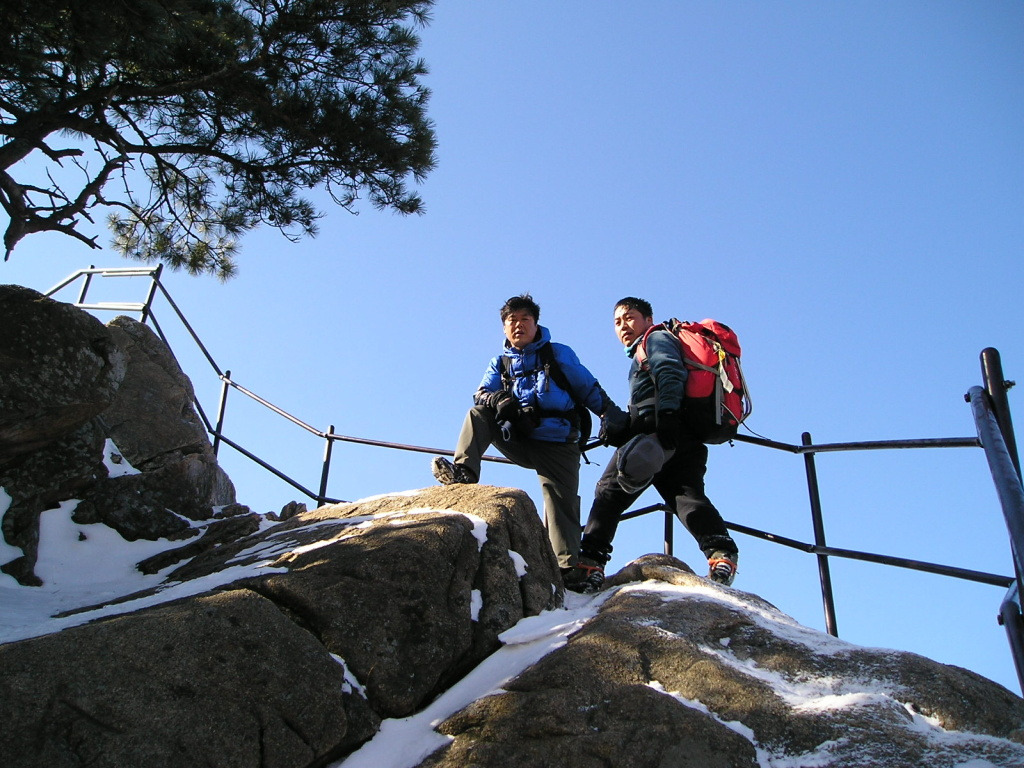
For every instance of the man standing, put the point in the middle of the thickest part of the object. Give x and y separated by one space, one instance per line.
526 407
657 448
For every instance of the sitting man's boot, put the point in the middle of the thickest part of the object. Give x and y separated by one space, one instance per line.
449 473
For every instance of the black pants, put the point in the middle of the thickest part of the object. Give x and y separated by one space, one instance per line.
681 484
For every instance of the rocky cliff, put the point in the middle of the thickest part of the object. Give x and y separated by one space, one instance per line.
423 628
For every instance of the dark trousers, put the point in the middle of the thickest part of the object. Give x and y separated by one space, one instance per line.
680 482
557 466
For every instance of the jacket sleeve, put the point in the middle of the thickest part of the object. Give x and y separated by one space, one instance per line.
665 363
491 381
585 387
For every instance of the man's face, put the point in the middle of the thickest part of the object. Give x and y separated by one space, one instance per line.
630 325
520 328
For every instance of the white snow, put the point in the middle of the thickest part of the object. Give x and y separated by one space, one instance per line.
85 565
479 524
7 552
117 465
773 620
401 743
351 683
519 562
379 496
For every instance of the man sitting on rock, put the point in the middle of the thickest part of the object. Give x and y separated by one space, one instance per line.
526 407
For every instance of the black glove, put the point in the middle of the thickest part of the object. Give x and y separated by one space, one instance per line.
643 423
506 407
614 427
668 429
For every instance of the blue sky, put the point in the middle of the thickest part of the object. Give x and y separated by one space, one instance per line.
843 183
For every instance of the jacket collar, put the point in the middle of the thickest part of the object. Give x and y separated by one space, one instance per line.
543 337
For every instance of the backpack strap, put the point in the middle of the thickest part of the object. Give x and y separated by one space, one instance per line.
641 351
552 371
578 416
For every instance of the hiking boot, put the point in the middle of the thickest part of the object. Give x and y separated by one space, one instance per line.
450 473
586 577
722 567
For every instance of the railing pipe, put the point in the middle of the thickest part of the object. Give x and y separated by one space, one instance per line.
1004 474
411 448
326 470
221 409
997 386
188 327
877 445
271 406
151 294
85 285
824 574
65 282
669 531
115 306
275 471
965 574
103 272
1013 623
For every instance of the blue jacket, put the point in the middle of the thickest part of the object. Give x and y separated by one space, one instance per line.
662 384
534 389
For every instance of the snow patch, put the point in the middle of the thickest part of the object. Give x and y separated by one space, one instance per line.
405 742
85 565
394 494
773 620
519 562
115 462
351 683
479 524
8 552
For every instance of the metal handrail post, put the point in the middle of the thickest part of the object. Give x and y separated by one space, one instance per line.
997 386
1004 474
85 285
154 282
669 533
1011 499
221 408
328 448
824 574
1012 621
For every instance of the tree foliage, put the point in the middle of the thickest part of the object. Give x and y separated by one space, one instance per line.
192 121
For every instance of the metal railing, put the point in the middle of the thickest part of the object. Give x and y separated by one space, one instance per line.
989 405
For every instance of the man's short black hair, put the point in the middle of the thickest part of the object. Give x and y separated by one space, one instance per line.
641 306
518 303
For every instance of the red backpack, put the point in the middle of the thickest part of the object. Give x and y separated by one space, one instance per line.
717 401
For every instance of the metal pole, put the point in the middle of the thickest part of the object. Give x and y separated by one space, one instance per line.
1011 498
819 538
997 386
225 379
154 282
85 285
668 530
328 447
1010 618
1008 485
